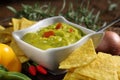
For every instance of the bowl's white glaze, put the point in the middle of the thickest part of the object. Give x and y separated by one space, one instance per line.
49 58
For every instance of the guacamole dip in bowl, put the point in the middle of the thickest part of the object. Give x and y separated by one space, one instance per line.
56 35
51 40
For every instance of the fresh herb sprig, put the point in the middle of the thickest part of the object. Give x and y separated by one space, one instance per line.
35 12
81 15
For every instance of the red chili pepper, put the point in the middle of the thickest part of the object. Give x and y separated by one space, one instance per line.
32 70
41 69
71 30
58 26
48 34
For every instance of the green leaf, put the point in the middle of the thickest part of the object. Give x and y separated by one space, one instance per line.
12 9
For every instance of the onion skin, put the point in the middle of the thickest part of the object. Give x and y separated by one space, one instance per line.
110 43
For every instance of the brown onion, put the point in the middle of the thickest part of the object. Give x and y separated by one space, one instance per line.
110 43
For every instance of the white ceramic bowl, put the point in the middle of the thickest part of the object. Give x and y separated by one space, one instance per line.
49 58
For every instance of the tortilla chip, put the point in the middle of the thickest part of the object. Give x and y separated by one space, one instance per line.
20 54
118 73
25 23
22 23
22 58
103 68
82 56
16 24
75 76
117 62
68 76
2 28
5 35
80 77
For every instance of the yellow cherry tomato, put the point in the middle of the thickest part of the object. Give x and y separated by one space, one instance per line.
8 58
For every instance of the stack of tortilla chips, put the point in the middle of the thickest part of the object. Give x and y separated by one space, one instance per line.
85 64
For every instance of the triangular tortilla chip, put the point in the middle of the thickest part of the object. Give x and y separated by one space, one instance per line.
22 23
82 56
25 23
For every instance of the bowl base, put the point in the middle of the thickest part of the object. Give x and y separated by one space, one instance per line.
57 72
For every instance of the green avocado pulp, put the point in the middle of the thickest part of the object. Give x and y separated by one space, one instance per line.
53 36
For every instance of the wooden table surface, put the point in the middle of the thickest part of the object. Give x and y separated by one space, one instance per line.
101 6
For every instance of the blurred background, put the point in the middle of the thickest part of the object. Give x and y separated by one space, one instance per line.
110 9
95 13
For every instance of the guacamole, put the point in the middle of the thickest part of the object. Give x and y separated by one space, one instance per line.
53 36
